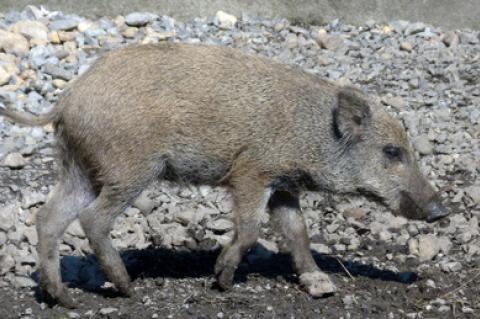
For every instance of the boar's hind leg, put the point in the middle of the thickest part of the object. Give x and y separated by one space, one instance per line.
250 197
97 220
285 208
70 195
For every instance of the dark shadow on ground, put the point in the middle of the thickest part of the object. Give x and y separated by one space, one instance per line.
160 263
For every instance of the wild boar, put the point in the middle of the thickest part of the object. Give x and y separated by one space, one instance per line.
213 115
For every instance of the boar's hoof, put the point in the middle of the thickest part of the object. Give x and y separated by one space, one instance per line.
67 302
60 297
63 299
225 277
125 289
317 284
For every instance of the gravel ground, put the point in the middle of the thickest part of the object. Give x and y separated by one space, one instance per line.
384 266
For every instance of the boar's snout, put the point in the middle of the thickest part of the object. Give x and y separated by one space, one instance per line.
431 211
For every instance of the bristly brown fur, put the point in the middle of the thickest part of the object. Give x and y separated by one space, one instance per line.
211 115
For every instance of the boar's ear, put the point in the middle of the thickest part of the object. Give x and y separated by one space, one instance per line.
351 114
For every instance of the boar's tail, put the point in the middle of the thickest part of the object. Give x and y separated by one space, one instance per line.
29 119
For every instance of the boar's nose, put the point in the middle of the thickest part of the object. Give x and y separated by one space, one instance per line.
436 211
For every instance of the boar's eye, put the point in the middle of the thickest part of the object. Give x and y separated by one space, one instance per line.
393 152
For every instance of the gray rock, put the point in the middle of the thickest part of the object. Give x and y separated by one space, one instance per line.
467 310
399 26
291 41
39 55
31 234
339 248
425 247
75 229
187 216
332 228
396 102
7 217
14 43
63 25
225 21
406 46
144 203
474 193
349 301
450 39
397 223
24 282
25 258
34 12
31 29
355 213
177 236
3 238
329 42
414 28
464 237
444 244
132 211
423 145
280 25
32 198
6 263
384 235
73 315
14 160
320 248
78 244
5 76
475 116
107 311
220 225
452 266
155 220
139 19
57 72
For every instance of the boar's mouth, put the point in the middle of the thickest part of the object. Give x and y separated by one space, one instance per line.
409 207
430 210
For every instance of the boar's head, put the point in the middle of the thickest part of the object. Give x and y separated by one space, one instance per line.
381 157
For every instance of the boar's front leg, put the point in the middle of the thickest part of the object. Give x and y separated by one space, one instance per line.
250 197
286 211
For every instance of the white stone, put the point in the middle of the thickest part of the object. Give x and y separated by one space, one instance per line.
7 217
4 76
107 311
320 248
186 216
31 29
31 234
425 247
6 263
225 21
75 229
220 225
24 282
14 160
474 193
14 43
138 19
32 198
144 203
423 145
